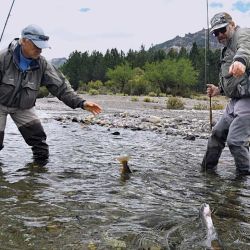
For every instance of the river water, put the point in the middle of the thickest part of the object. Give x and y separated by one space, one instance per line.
79 200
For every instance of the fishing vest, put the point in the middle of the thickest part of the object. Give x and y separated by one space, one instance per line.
235 87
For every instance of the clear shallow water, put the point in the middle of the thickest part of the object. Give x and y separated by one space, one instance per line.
80 201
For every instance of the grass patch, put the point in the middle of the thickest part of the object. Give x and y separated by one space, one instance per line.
134 99
148 99
200 106
175 103
215 106
200 97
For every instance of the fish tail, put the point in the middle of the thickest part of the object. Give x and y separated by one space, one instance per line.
124 161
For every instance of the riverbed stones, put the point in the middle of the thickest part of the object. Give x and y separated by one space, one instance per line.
122 113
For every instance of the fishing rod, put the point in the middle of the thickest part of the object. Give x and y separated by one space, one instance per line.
7 20
207 69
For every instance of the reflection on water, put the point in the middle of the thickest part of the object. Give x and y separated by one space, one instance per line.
79 201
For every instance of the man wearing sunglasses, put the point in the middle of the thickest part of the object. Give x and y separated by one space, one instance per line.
22 71
233 127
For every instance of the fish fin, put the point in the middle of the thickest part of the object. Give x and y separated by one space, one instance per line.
124 158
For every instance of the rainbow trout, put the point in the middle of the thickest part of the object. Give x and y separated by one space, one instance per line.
212 242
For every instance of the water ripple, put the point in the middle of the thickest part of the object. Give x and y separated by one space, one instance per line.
79 199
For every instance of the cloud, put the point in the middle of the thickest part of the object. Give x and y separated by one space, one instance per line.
242 6
216 5
114 35
84 9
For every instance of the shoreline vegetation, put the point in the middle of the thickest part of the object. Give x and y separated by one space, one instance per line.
142 113
176 72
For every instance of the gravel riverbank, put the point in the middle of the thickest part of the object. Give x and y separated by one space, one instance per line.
122 112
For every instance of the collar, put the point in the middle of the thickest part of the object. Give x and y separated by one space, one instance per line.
15 49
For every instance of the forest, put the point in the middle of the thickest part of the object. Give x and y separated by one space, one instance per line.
177 73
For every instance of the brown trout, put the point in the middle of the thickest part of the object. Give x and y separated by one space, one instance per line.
124 162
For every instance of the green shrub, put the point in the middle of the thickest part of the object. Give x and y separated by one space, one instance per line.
111 87
95 85
119 94
99 86
109 92
200 106
82 86
175 103
82 91
217 106
147 99
200 97
136 86
152 94
134 99
93 92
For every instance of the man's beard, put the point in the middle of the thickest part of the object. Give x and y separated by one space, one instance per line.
225 41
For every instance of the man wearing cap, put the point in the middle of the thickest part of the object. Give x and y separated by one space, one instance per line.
22 71
233 127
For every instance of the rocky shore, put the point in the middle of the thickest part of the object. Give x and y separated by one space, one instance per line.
123 112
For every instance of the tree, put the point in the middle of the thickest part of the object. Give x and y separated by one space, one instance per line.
97 66
156 55
171 76
138 85
112 58
172 54
194 56
186 77
74 68
120 76
182 53
131 58
161 74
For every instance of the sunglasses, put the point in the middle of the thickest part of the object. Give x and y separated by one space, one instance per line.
40 37
221 30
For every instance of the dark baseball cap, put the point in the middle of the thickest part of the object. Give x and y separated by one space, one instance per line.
36 35
219 21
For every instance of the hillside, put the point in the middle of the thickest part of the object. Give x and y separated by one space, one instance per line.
188 40
57 62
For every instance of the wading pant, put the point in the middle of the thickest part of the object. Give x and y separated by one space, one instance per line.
233 128
29 126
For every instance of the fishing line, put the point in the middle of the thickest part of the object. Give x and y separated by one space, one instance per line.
206 79
207 66
7 20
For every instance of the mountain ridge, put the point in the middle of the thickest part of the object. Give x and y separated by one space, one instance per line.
187 41
176 43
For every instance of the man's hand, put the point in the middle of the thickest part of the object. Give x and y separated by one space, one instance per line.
237 69
212 90
92 107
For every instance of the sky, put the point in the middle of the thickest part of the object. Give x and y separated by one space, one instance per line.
98 25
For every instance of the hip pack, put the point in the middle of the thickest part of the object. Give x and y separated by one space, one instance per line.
243 88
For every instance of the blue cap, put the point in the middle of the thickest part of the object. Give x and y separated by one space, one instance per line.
36 35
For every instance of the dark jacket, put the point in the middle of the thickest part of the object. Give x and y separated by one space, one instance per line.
238 49
20 88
